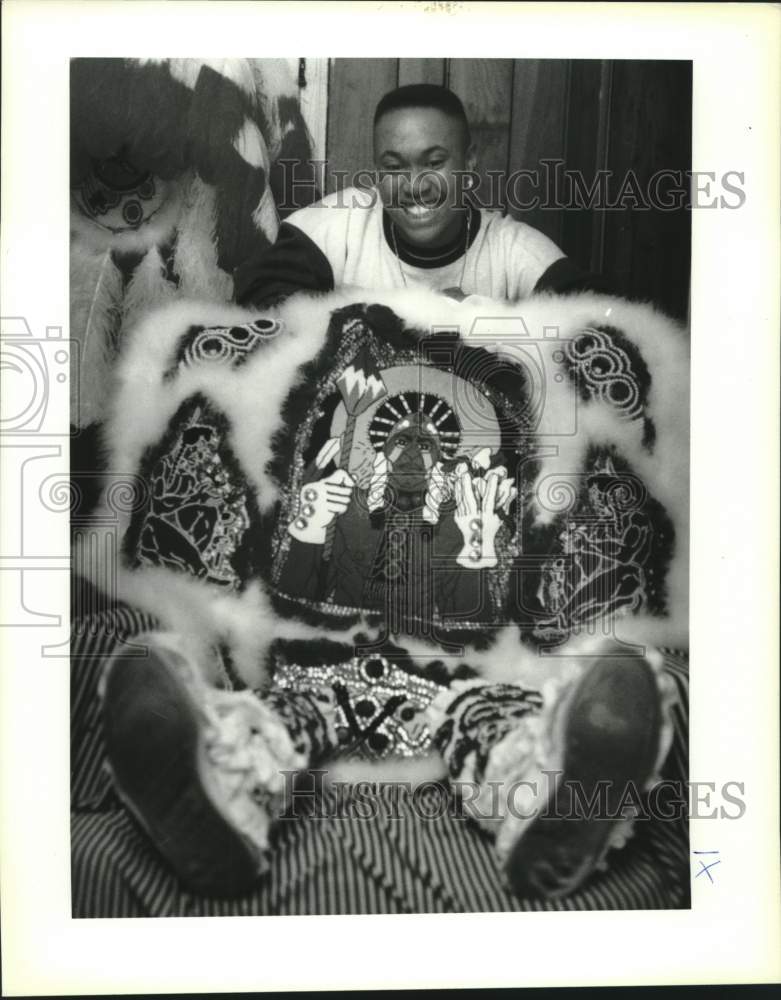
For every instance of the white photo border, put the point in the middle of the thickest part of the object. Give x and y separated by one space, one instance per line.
732 931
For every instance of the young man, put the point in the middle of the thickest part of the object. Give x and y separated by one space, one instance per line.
419 226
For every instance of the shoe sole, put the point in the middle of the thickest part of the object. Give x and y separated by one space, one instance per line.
153 740
556 854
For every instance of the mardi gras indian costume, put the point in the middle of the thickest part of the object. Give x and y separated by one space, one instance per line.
419 537
177 176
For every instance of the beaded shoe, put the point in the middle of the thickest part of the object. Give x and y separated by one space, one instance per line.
200 769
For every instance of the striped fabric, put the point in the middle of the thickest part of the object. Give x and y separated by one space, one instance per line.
415 855
93 639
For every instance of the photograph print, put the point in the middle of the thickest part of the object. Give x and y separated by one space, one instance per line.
380 450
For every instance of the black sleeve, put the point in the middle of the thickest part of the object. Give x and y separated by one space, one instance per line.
294 263
565 276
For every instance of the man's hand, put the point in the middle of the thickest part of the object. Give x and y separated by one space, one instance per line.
478 502
319 504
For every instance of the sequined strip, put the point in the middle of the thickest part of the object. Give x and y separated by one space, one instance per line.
343 611
380 706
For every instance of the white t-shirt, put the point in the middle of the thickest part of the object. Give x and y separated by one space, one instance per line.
505 260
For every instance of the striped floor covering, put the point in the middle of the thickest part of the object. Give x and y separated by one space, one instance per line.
399 861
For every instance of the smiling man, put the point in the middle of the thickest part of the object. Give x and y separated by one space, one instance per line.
418 226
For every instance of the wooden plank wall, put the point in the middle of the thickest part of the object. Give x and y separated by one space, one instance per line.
485 89
589 115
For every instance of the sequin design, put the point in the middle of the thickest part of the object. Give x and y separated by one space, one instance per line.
614 547
379 706
118 197
217 345
331 583
353 332
199 508
605 365
477 718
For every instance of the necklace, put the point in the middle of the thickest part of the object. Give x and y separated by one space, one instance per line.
466 248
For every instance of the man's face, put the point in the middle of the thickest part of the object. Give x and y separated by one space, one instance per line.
412 449
418 153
